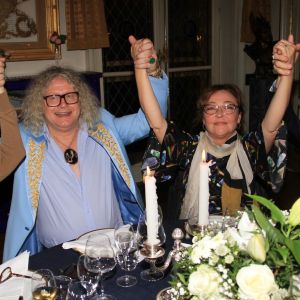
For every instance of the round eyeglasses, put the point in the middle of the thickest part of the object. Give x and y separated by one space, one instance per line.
227 108
8 273
55 100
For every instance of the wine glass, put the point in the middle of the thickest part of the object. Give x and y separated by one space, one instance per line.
84 275
62 284
80 290
125 238
100 258
43 285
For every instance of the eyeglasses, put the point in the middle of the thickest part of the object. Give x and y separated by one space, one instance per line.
55 100
227 108
7 273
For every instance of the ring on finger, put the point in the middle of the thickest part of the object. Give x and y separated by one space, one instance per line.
152 60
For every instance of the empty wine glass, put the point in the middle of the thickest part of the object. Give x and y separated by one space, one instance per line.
84 275
80 290
125 238
62 283
100 258
127 264
43 285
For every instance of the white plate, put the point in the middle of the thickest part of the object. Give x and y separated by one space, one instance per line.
106 231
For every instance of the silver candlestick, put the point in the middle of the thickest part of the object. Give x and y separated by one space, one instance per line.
153 252
177 236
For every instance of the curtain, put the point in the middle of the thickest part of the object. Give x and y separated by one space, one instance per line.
86 24
257 8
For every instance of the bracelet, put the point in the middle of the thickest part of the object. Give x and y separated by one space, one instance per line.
157 73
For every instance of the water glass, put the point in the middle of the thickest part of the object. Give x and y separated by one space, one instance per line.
62 283
80 290
84 275
100 258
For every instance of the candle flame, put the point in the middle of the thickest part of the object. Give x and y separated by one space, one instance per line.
203 156
148 171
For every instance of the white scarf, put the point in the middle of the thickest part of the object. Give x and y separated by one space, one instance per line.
237 158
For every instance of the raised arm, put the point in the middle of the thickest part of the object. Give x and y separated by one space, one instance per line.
280 100
11 146
142 51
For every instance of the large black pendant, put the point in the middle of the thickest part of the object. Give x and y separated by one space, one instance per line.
71 156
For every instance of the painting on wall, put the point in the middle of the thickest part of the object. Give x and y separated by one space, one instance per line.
25 28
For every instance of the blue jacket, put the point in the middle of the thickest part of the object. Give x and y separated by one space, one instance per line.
113 134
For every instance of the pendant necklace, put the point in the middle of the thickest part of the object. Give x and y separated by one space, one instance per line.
70 155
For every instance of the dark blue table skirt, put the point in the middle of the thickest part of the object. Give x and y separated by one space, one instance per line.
61 261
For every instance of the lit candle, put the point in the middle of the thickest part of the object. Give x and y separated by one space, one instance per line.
151 209
203 191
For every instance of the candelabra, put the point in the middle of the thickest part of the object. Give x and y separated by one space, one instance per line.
153 252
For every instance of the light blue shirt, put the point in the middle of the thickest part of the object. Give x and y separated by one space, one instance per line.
70 206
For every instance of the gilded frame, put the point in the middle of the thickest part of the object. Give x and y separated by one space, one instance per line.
47 21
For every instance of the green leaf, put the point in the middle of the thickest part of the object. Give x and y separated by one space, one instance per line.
182 278
273 234
276 258
284 252
276 213
294 246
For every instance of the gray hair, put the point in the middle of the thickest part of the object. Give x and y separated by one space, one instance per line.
32 113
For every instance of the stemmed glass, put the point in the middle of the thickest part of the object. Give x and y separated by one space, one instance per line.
62 283
125 239
80 290
84 275
100 258
152 252
43 285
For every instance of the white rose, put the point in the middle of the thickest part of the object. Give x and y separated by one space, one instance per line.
204 282
255 282
233 234
246 227
257 247
200 250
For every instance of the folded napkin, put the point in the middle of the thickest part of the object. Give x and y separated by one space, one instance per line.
79 244
16 286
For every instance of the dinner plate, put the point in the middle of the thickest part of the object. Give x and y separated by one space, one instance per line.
94 232
79 244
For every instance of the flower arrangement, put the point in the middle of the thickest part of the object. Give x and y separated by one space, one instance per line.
57 39
259 259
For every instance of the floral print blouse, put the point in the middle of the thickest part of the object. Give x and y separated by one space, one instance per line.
173 159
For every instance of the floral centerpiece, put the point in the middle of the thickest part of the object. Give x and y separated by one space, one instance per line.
57 40
259 259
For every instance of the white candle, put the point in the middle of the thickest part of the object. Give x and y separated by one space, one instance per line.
151 209
203 191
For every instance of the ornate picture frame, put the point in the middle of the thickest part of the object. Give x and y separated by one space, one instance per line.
44 17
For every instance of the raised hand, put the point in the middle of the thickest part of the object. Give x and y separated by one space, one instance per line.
284 57
143 54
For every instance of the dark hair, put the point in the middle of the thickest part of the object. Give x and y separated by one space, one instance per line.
233 89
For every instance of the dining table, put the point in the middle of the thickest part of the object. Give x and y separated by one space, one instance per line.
63 262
